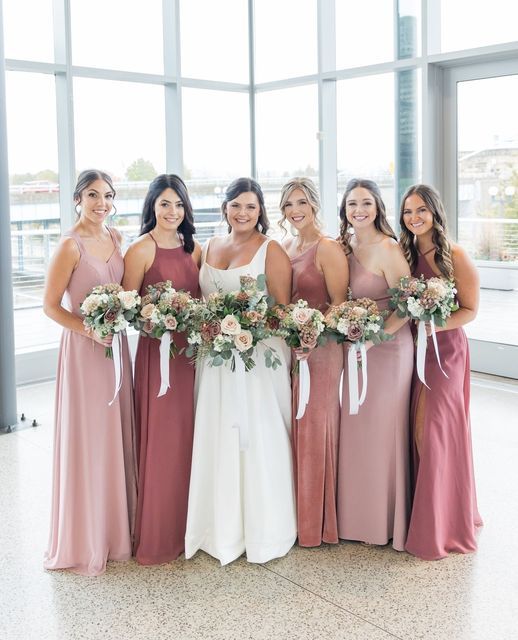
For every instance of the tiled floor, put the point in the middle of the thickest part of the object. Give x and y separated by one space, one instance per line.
346 591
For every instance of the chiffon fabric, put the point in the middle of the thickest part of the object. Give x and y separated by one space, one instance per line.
315 435
444 512
94 472
373 468
165 426
241 500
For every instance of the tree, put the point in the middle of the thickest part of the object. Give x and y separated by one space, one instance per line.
141 170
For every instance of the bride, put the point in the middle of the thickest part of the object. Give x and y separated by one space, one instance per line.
242 500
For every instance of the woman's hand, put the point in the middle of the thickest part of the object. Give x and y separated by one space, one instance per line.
105 342
303 353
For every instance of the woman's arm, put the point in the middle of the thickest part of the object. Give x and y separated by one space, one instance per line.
331 260
139 257
61 267
468 290
278 273
196 254
394 267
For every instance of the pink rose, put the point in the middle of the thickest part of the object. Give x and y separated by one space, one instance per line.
355 333
170 323
110 316
147 311
301 315
243 340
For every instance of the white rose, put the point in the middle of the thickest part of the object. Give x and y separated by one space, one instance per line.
301 315
147 311
244 340
414 307
373 327
343 326
128 299
230 325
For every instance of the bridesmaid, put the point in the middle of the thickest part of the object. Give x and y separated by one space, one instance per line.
373 467
444 513
94 479
320 276
165 250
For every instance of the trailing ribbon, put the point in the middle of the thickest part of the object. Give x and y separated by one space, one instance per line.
117 364
304 387
241 403
165 345
422 342
355 402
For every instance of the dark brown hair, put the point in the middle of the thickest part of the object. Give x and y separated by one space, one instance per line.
246 185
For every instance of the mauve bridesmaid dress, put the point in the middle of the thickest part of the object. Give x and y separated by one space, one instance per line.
315 435
444 512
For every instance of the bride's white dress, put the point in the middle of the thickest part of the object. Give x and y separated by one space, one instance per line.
241 500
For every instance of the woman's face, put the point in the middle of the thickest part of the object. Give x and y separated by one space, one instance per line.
243 212
298 210
360 208
418 219
96 201
169 210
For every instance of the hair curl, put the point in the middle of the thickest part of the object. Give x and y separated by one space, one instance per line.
246 185
441 242
156 188
380 222
309 188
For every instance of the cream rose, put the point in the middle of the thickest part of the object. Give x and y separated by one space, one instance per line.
244 340
230 325
301 315
128 299
147 311
170 323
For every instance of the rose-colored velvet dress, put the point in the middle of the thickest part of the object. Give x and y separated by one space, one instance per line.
373 467
315 435
165 426
444 512
94 473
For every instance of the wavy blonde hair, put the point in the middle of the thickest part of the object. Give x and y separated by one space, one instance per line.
380 222
442 244
309 188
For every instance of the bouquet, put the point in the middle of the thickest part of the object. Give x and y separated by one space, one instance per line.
301 327
229 326
162 311
109 310
356 321
424 300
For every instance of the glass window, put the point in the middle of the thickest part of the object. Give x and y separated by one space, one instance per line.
488 23
215 151
285 39
365 108
34 201
120 128
120 34
364 33
409 28
487 199
408 149
286 140
28 30
214 37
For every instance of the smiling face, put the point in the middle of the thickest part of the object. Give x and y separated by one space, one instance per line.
298 210
96 201
417 217
243 212
360 208
169 210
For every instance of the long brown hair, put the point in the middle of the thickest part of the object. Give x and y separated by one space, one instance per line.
380 222
440 239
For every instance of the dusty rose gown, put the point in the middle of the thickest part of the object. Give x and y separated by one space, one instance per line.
315 435
94 473
165 426
373 467
444 512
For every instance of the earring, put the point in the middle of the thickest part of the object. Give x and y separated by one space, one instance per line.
78 211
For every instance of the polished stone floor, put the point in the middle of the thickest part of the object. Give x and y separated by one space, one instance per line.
344 592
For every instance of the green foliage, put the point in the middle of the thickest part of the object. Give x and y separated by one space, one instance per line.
141 169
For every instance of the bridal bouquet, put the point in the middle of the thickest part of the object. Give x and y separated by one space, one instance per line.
108 310
356 321
424 300
229 326
301 327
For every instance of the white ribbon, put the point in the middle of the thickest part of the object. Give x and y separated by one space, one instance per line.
117 364
165 345
355 402
304 387
422 342
240 420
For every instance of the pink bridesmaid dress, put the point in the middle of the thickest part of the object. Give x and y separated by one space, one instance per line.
315 435
165 426
94 473
444 513
373 467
